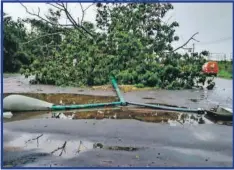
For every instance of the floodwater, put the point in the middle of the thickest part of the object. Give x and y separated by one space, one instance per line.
196 98
121 136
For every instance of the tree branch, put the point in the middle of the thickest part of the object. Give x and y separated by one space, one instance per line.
88 6
82 9
40 17
60 148
71 19
168 19
62 7
68 15
40 37
55 6
36 15
191 38
79 148
34 139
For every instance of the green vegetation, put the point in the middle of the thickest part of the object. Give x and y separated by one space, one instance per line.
225 69
130 42
14 34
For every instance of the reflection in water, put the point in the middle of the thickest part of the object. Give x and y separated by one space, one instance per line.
44 143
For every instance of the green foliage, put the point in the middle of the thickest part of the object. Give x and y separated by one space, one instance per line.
205 53
139 85
225 69
14 33
133 44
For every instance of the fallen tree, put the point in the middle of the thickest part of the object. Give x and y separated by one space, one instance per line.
129 41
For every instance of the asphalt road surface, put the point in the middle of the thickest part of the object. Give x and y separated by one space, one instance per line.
115 143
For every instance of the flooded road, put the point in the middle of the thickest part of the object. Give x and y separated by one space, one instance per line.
196 98
121 136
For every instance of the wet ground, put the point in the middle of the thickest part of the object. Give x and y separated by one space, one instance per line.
196 98
122 136
114 143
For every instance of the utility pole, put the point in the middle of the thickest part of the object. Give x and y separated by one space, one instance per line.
193 48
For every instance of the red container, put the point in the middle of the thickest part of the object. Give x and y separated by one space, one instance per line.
211 68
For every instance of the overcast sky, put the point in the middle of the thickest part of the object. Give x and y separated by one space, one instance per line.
213 21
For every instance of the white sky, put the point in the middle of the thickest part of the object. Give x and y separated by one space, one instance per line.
213 21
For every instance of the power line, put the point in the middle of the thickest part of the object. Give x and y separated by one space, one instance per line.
216 41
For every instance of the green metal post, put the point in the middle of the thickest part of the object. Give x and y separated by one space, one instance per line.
199 111
84 106
115 85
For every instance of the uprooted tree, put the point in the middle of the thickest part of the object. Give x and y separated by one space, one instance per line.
130 41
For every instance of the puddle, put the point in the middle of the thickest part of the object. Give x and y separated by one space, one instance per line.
120 141
30 148
45 143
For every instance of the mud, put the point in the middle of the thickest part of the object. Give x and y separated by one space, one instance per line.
140 114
